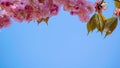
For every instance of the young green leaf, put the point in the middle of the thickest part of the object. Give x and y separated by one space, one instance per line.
101 22
39 21
110 25
91 25
46 20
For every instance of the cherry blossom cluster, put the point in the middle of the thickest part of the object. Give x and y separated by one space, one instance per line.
117 12
39 10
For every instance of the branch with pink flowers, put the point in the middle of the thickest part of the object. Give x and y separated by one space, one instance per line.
42 10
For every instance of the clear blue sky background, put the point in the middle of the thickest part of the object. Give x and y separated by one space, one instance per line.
62 44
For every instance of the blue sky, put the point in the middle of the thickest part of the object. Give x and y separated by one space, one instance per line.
64 43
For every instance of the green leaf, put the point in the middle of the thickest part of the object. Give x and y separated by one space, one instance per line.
46 20
96 21
91 25
39 21
110 25
100 22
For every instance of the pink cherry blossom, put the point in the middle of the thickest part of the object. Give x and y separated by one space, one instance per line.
28 10
117 12
4 20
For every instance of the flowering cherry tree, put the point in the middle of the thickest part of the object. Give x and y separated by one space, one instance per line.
42 10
